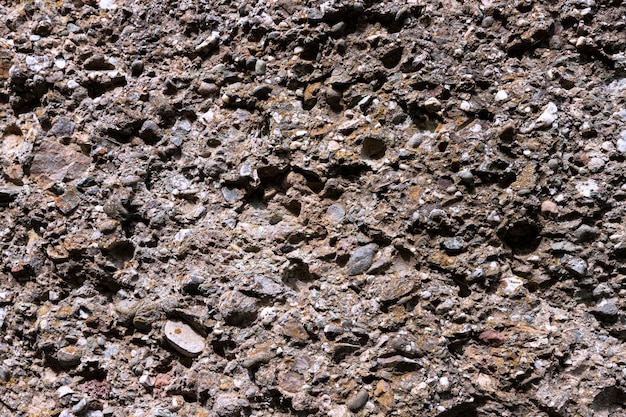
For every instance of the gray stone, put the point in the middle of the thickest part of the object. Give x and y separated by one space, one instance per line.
162 412
69 356
237 308
453 245
621 142
136 68
333 98
361 259
564 246
183 338
576 266
126 310
602 290
338 29
150 131
398 362
232 194
432 105
265 286
607 309
98 63
586 233
206 89
335 213
357 401
229 405
260 67
63 127
466 177
5 374
262 92
192 284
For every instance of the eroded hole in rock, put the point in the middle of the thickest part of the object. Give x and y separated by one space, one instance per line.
393 57
313 181
373 148
297 271
610 398
121 251
522 236
223 348
310 51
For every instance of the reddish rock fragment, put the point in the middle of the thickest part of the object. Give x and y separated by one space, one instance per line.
492 338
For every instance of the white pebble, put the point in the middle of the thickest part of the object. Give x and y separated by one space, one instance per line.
621 142
501 96
548 116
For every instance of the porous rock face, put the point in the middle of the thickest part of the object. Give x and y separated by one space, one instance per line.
279 208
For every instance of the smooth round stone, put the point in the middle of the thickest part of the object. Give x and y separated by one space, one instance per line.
184 339
357 401
69 356
336 213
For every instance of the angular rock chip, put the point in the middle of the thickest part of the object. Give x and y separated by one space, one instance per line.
58 162
361 259
237 308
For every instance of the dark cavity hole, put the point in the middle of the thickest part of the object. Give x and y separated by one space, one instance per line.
461 410
373 148
121 251
294 207
609 398
522 237
393 57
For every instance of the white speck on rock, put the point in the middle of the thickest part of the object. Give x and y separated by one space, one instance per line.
108 4
621 142
586 188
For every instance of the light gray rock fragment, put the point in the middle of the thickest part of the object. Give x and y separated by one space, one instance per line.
183 338
361 259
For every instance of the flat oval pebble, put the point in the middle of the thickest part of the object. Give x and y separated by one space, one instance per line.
184 339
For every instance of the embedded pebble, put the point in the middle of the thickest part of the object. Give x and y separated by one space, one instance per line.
69 356
357 401
361 259
183 338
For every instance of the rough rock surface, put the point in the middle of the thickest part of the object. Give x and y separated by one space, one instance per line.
351 208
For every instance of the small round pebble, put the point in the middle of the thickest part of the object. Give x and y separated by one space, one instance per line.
357 401
69 356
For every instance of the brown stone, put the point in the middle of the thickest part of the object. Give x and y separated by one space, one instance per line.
57 162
